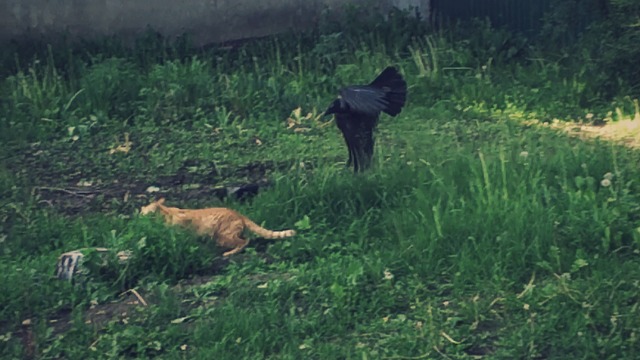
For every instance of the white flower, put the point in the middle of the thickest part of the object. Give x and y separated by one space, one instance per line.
605 182
524 154
608 176
387 274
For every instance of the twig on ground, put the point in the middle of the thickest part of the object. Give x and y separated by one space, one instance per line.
137 295
80 193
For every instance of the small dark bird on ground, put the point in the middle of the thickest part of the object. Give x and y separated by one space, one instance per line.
358 108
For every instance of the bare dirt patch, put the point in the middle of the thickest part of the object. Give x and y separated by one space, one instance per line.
625 132
124 195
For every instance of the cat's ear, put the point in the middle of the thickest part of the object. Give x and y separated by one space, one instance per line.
161 201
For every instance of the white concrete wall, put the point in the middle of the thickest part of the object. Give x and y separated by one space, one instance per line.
206 20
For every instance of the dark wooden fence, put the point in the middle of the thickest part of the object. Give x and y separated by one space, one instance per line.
518 15
521 15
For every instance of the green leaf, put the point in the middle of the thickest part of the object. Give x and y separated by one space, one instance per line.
180 320
304 224
337 290
578 264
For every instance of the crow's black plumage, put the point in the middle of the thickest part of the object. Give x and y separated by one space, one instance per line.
358 108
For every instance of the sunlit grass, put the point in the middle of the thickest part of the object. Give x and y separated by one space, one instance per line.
625 129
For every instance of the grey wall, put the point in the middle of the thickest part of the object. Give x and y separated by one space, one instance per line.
206 20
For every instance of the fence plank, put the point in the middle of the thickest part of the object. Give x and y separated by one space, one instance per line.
518 15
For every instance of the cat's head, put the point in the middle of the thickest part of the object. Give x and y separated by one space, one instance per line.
151 208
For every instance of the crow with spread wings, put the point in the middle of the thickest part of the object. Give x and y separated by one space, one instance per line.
358 108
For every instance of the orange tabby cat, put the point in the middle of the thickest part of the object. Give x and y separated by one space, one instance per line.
225 225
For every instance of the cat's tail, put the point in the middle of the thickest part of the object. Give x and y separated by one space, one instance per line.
265 233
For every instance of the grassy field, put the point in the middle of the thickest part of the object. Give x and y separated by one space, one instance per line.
475 235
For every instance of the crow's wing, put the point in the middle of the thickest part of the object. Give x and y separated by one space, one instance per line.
358 134
364 99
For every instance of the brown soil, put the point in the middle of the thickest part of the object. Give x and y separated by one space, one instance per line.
625 132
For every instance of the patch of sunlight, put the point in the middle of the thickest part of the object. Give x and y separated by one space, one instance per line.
625 130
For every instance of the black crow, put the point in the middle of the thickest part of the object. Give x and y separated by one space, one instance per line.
358 108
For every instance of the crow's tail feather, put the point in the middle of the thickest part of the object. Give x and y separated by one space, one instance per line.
395 87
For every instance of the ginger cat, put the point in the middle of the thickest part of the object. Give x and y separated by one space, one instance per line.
223 224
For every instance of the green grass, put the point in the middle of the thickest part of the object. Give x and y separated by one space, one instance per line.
473 235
